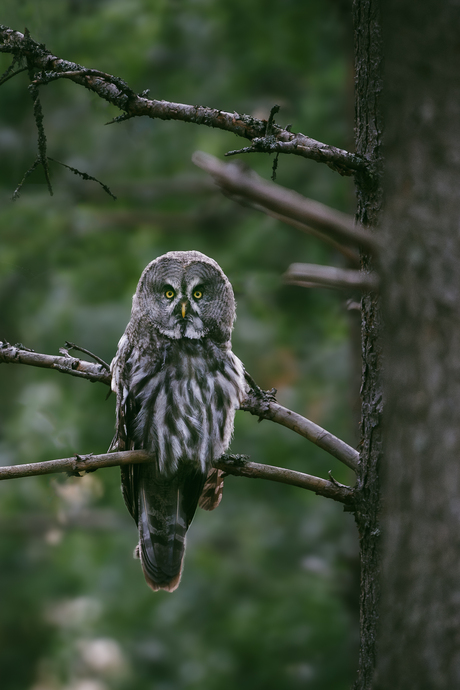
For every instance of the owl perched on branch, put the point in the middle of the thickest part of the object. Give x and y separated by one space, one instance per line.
178 385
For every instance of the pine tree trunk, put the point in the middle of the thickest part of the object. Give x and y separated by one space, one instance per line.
420 626
369 194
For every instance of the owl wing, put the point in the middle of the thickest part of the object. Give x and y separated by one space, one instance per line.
211 495
121 369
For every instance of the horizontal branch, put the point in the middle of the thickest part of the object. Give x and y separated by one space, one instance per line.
75 464
255 470
313 275
339 160
232 179
258 403
17 354
231 464
264 135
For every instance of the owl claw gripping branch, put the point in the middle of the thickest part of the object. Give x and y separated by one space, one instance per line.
178 385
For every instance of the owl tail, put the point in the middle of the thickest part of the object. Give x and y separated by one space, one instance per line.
166 509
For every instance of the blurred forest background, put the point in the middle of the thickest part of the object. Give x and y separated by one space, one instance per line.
268 598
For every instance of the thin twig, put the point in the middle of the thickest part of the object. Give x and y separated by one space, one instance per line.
28 172
7 76
85 176
231 178
8 72
73 346
271 120
258 403
274 168
231 464
313 275
48 67
38 116
254 470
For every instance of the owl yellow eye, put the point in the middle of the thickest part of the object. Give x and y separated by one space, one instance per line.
169 293
198 294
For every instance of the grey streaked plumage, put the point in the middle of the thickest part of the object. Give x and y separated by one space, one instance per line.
178 385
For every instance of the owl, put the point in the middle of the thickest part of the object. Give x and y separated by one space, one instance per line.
178 385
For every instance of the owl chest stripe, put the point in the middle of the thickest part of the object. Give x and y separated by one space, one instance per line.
186 412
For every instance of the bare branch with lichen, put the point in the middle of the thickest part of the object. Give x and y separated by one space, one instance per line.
264 135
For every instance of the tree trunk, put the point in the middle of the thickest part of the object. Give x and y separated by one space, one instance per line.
369 194
420 627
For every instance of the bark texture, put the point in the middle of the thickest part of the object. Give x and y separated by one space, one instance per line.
420 627
368 60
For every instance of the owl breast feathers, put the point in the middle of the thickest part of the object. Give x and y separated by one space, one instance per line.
178 385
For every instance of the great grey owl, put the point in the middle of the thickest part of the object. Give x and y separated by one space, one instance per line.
178 385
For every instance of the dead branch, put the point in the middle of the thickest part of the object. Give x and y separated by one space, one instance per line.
75 464
313 275
263 405
247 184
17 354
258 402
73 346
264 135
351 255
231 464
254 470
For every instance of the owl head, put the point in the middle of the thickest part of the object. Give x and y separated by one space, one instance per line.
186 295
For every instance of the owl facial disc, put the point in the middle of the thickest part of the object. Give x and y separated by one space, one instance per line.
186 295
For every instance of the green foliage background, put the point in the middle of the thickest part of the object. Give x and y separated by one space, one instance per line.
268 596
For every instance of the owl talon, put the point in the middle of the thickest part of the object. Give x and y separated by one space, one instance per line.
257 401
235 460
258 391
271 394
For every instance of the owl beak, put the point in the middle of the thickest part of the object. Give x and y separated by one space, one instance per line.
184 309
